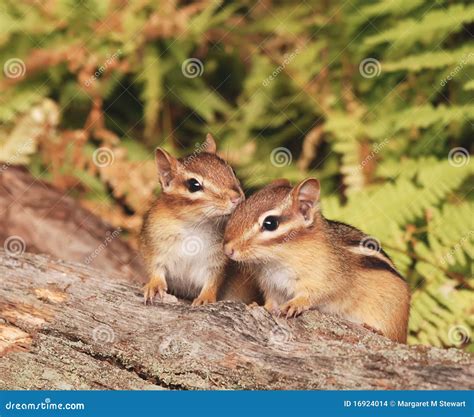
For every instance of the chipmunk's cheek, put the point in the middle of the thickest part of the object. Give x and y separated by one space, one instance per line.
213 210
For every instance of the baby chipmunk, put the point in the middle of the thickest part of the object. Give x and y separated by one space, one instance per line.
182 234
303 260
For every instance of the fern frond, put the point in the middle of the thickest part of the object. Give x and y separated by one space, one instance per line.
432 60
38 123
451 234
469 85
437 313
389 7
346 131
433 26
152 79
419 117
19 100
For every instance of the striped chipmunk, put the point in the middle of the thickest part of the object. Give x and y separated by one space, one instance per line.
303 260
182 235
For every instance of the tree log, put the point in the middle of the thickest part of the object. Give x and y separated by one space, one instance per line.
67 326
41 218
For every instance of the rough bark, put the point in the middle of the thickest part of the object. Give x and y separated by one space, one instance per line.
67 326
45 220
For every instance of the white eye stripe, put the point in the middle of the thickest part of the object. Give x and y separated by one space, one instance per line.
277 211
213 188
207 185
283 230
189 174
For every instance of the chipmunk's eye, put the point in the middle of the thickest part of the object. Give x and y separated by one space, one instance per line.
270 223
193 185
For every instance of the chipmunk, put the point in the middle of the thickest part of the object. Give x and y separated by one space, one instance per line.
182 233
303 260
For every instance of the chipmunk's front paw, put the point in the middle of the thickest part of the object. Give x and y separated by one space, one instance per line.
271 307
295 307
154 286
204 299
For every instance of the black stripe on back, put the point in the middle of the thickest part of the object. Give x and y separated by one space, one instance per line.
372 262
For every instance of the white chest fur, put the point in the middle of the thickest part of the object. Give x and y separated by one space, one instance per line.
191 258
277 282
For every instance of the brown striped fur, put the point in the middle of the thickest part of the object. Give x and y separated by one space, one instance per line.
312 262
181 238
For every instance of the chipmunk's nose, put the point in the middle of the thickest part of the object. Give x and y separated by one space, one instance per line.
229 250
236 199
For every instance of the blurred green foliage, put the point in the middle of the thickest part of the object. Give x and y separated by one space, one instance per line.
372 97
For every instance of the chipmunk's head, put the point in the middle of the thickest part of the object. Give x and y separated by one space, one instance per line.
202 183
278 214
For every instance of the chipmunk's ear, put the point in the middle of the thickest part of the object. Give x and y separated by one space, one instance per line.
166 165
306 198
210 144
280 182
